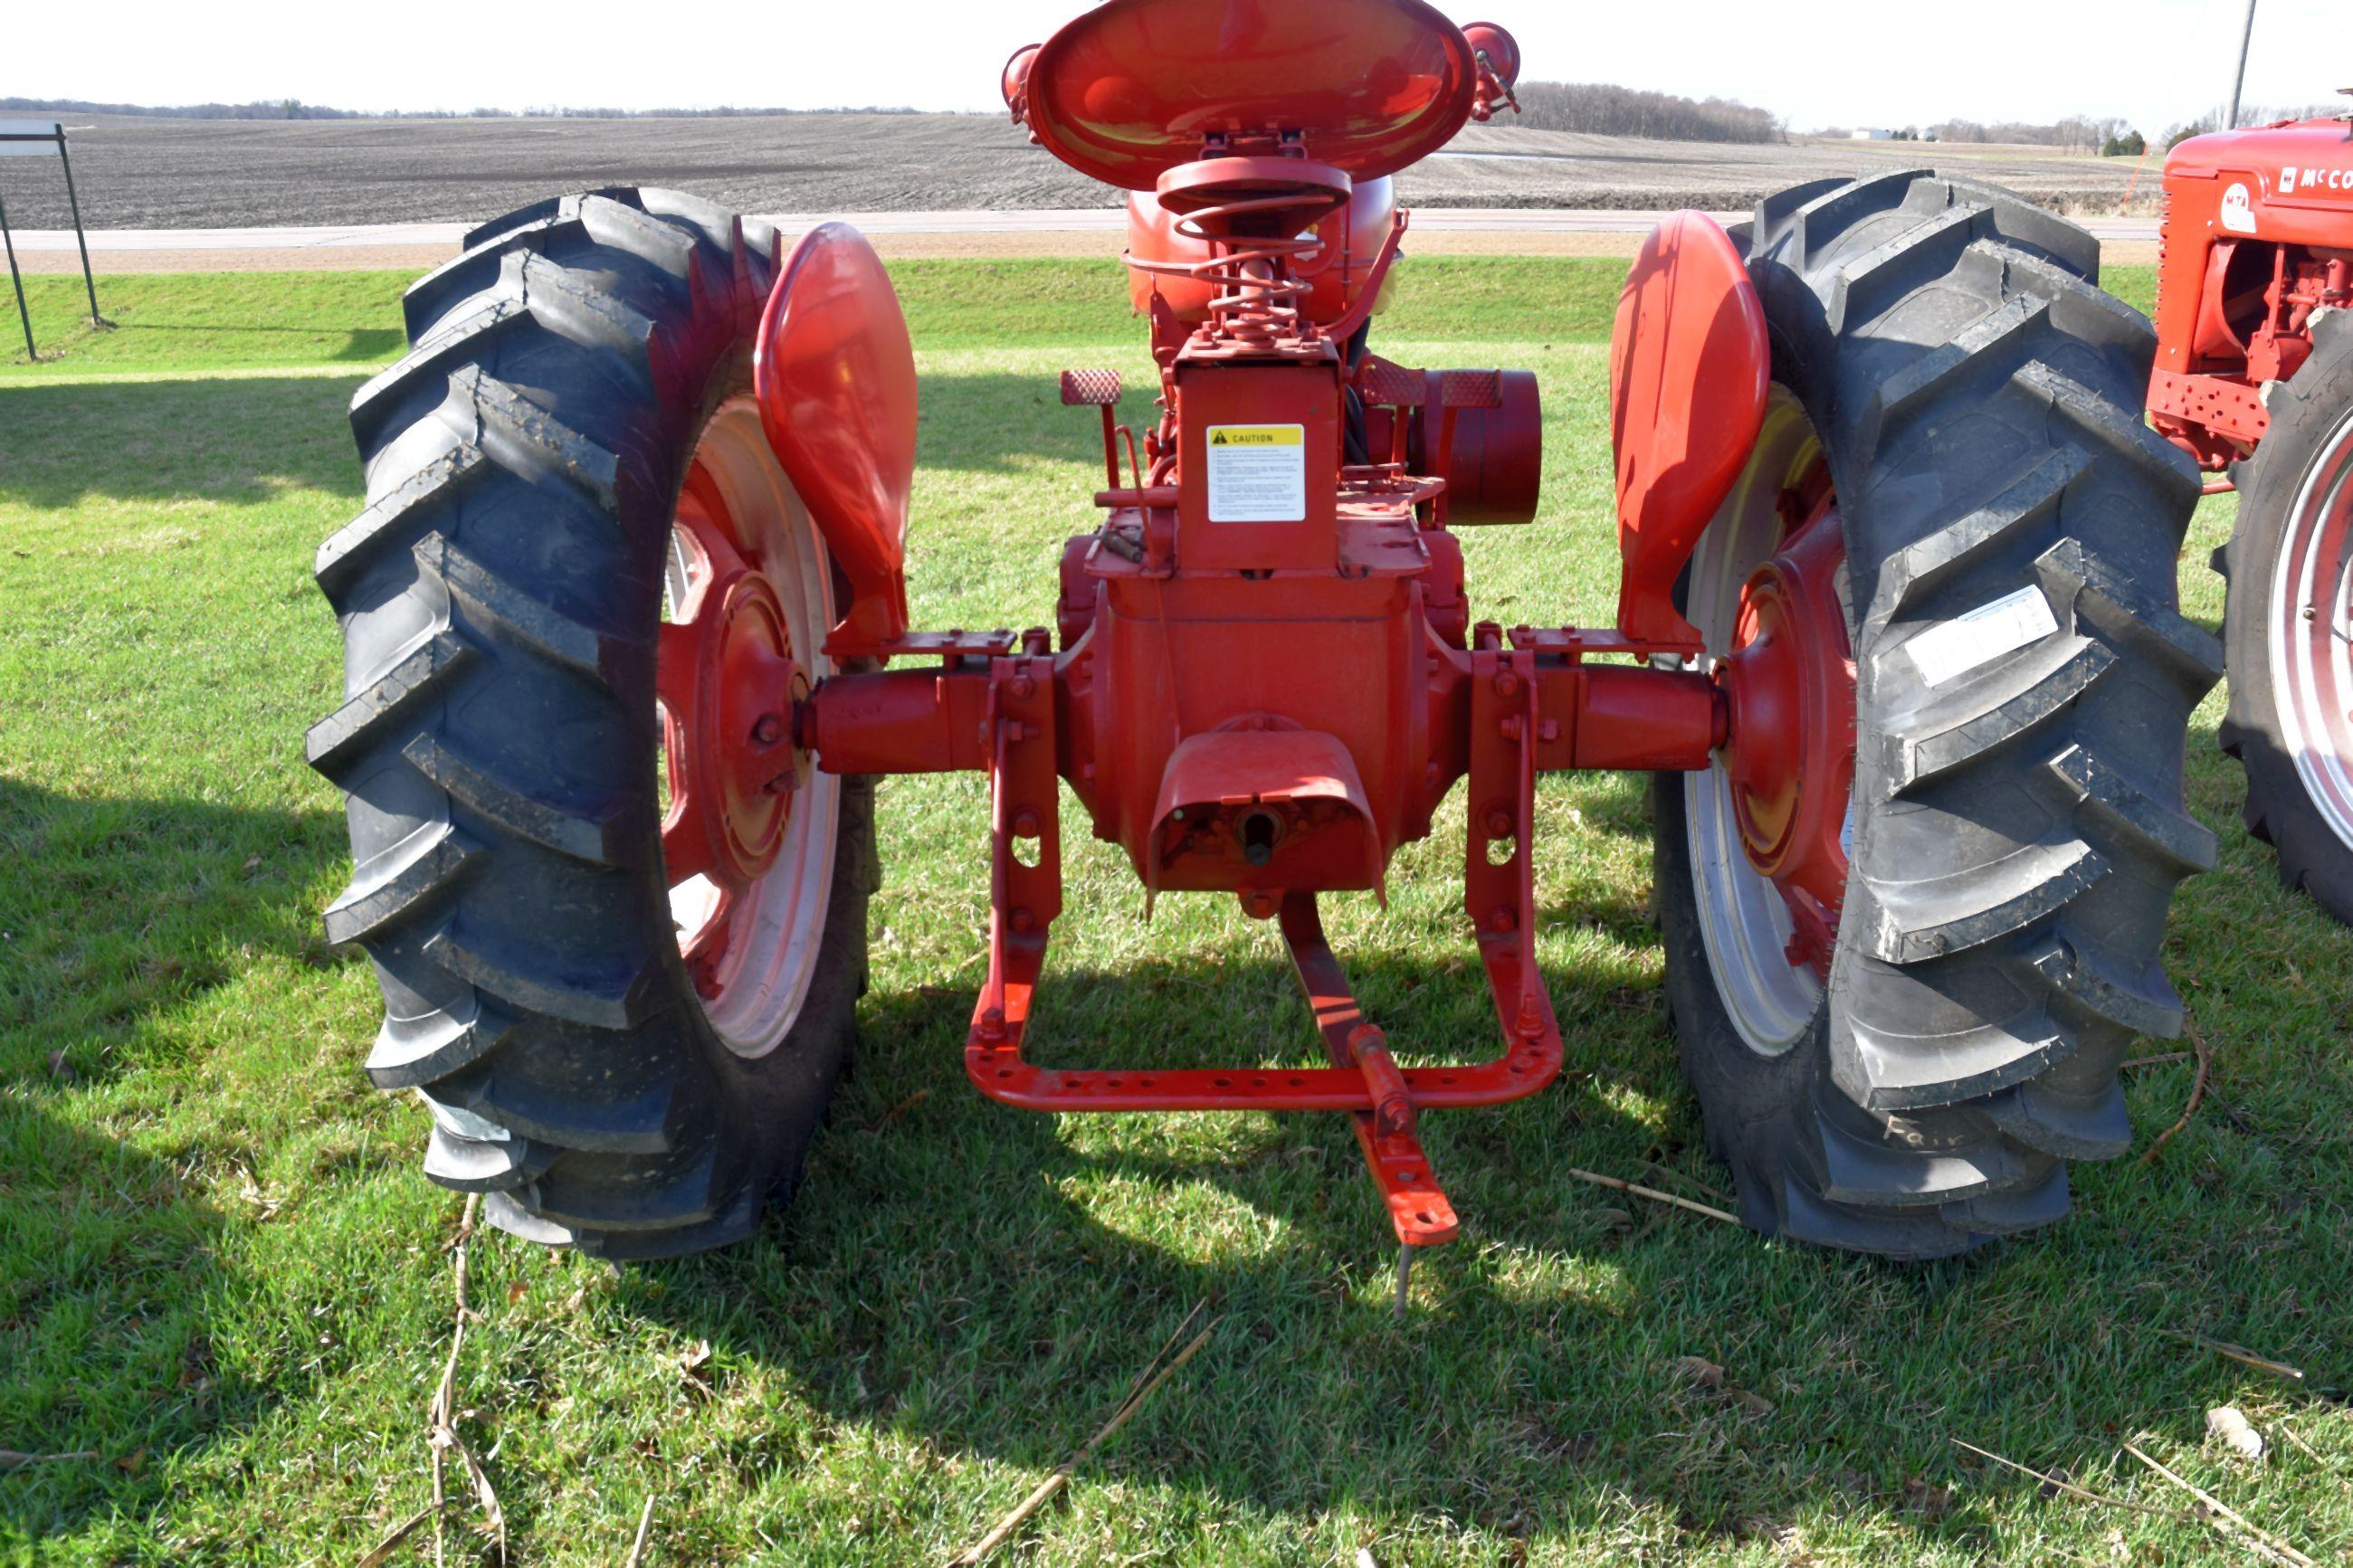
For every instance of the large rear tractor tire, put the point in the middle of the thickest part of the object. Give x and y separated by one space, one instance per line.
621 979
2287 627
1901 1033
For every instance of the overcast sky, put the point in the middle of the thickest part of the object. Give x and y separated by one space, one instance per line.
1825 62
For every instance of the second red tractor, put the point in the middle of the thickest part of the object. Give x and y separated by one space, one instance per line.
2255 379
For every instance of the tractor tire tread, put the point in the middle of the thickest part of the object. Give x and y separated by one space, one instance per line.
1979 401
499 594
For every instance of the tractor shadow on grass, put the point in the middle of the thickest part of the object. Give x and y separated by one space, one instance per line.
112 1275
230 442
988 1282
111 1279
117 908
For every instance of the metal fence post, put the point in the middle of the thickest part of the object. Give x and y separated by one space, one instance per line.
80 238
23 314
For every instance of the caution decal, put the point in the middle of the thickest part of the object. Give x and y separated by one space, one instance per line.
1258 473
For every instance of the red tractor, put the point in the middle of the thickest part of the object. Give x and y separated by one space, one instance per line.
628 644
2255 379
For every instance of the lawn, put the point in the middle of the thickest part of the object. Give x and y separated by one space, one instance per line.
224 1286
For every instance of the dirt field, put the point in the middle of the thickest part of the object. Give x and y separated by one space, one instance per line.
166 173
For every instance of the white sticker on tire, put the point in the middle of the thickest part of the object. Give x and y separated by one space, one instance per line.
1946 652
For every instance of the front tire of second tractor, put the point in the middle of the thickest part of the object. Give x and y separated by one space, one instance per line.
2285 625
1905 973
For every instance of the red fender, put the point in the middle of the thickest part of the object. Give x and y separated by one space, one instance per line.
1688 367
836 377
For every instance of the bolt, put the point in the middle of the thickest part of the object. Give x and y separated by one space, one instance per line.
1025 824
1507 684
770 728
1022 919
2312 611
992 1025
1549 731
785 782
1511 727
1499 825
1503 921
1024 687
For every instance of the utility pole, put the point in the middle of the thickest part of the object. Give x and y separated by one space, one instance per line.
2239 82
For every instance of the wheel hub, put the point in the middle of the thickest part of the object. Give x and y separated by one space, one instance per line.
1790 759
728 684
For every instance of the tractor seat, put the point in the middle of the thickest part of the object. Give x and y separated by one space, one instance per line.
1136 87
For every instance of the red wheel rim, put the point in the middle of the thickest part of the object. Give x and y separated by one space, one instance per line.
1767 825
2311 633
1790 677
747 834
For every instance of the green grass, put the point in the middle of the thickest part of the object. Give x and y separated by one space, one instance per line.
209 322
220 1272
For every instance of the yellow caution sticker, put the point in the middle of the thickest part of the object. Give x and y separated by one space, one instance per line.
1258 473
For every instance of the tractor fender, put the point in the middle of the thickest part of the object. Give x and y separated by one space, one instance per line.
1688 367
835 372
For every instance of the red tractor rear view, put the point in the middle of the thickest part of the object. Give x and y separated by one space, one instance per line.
2254 377
629 644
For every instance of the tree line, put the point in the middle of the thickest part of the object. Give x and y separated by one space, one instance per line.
295 109
1601 110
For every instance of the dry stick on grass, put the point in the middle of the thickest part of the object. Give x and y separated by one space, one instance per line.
1655 1195
2071 1489
2228 1520
2197 1093
2310 1452
1146 1383
2167 1060
645 1522
896 1111
1673 1175
437 1413
2238 1353
442 1415
391 1544
11 1460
